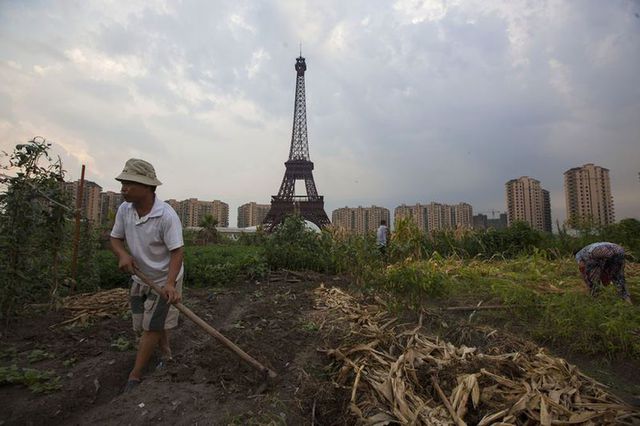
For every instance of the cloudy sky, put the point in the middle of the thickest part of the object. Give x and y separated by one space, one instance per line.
407 101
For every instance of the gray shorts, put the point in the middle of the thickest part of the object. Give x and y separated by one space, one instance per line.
151 312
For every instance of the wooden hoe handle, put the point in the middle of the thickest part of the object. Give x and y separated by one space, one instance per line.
210 330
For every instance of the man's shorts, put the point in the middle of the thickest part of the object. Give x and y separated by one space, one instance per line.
151 312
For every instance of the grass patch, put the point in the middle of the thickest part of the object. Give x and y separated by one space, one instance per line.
550 303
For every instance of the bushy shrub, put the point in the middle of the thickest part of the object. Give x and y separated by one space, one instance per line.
293 246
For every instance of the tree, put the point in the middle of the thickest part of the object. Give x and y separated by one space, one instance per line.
208 233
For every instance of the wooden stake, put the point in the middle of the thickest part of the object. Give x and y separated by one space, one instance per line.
76 237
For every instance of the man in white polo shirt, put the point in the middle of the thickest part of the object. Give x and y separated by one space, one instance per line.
153 233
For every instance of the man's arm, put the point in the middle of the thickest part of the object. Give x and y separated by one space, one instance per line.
125 261
175 263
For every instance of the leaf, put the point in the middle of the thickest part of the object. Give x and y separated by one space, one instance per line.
545 418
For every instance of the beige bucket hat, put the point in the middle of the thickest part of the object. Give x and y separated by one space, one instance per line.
140 171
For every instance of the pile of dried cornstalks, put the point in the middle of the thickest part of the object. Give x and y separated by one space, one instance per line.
87 306
402 375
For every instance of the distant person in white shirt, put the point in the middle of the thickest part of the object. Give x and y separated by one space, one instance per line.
153 233
382 237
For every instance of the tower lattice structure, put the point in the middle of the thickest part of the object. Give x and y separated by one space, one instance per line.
298 167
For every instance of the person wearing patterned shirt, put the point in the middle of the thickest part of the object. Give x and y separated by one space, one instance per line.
602 263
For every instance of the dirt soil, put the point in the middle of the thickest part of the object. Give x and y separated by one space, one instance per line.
273 320
206 384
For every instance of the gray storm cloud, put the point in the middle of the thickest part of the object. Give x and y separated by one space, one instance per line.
411 101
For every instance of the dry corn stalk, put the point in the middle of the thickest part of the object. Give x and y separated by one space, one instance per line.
392 378
87 306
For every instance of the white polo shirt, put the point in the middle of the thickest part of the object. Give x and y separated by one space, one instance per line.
150 238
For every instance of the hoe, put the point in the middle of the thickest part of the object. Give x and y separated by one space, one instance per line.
266 372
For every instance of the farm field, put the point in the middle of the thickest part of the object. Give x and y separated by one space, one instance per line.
324 332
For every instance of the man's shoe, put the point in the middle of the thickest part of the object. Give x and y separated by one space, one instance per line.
131 385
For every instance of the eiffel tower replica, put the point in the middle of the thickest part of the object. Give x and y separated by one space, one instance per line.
298 167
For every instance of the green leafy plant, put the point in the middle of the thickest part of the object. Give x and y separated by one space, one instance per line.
36 380
34 208
310 326
70 362
122 344
37 355
215 265
293 246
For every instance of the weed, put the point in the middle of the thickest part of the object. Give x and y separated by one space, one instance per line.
310 326
122 344
10 353
36 380
69 362
37 355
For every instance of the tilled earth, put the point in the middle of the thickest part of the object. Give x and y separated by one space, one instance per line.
278 321
206 384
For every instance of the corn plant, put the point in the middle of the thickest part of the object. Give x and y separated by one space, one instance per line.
34 208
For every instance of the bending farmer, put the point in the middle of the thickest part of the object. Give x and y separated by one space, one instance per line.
153 233
603 262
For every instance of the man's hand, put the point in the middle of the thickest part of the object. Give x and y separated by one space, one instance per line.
171 294
125 263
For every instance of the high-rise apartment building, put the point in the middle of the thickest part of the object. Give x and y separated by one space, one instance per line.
109 203
344 218
191 211
416 213
175 205
464 215
528 202
90 208
360 220
252 214
587 191
436 216
546 206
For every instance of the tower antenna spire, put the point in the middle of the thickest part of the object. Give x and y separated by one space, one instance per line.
301 49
